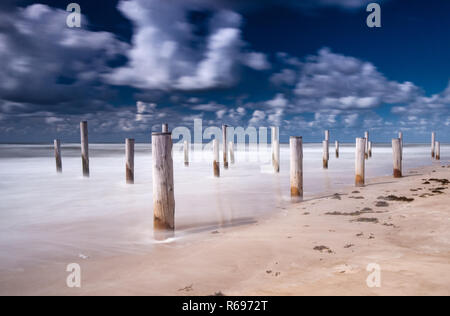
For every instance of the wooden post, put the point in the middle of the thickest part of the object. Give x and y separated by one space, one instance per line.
163 186
275 150
400 136
296 173
165 128
225 146
397 157
276 157
366 150
84 147
438 151
186 153
336 145
370 149
433 144
360 162
231 147
326 154
129 157
327 135
57 145
216 164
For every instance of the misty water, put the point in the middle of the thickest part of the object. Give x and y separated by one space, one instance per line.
45 216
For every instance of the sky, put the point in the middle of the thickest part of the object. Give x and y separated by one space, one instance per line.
304 66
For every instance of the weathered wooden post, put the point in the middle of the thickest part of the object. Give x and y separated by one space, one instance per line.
275 150
225 146
400 136
327 135
57 145
326 154
216 163
397 157
163 186
165 128
231 147
433 144
366 149
336 145
84 147
129 157
360 162
186 153
296 173
438 151
370 149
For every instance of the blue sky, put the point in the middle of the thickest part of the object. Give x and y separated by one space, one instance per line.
303 65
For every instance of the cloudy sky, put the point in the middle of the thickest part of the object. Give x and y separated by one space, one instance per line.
303 65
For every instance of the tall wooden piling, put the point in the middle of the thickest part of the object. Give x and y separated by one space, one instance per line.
326 154
57 145
370 149
163 186
433 144
84 147
366 150
438 150
276 157
397 157
336 146
231 148
129 160
165 128
360 162
225 146
400 136
296 172
327 135
216 155
186 153
275 149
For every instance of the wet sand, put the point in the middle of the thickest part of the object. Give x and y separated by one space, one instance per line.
318 247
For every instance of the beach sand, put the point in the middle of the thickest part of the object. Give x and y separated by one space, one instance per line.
318 247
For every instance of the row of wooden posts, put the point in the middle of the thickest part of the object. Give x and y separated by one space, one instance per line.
163 179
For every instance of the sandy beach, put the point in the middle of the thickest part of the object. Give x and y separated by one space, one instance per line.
321 246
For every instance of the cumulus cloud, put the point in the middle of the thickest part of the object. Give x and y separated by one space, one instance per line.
257 117
163 55
284 77
209 107
433 109
46 64
257 61
334 81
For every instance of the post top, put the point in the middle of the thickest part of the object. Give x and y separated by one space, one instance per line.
297 137
161 133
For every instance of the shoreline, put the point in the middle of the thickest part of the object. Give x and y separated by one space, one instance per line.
318 247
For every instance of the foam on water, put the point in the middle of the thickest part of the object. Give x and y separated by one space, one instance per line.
45 215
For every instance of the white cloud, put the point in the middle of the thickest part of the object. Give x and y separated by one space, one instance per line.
257 117
284 77
333 81
350 120
48 65
208 107
163 57
256 61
